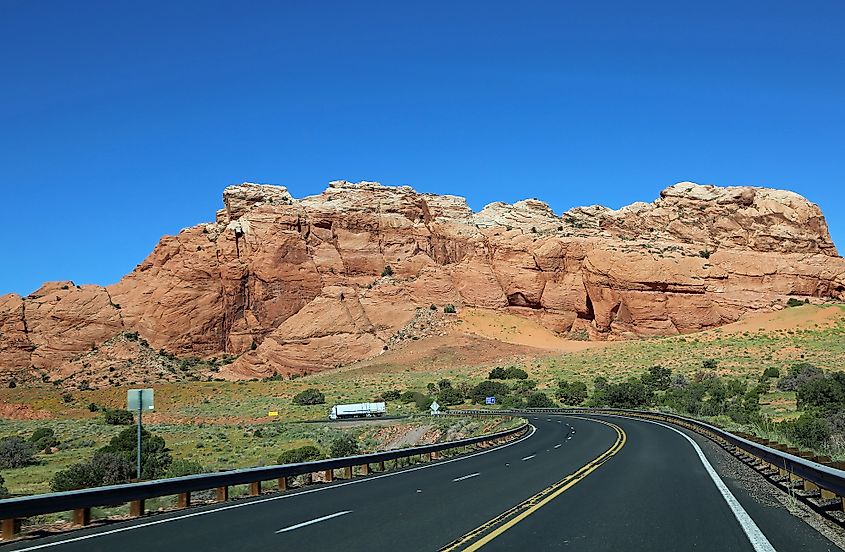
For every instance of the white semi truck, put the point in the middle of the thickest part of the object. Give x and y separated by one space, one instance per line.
359 410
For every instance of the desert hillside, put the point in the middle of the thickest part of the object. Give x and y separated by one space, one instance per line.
283 285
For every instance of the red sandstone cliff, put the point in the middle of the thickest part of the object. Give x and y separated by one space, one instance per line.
295 284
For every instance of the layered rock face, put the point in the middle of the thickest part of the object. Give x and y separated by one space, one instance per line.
297 285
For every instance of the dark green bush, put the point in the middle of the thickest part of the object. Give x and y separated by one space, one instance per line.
710 364
793 302
307 453
388 271
43 438
806 430
510 372
4 492
309 396
104 468
771 372
391 395
449 309
450 396
630 394
799 374
345 445
658 378
538 399
825 394
181 467
572 393
15 453
118 417
155 456
488 389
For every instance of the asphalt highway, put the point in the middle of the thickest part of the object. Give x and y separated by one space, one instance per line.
575 483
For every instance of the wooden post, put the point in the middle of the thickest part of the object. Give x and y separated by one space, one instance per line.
255 488
183 500
381 466
11 528
365 469
82 516
427 457
136 508
435 455
283 483
222 494
810 486
827 495
347 472
328 475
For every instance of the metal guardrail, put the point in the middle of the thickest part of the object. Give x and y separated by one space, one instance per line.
12 510
819 485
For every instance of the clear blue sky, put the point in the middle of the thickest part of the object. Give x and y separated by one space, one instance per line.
123 121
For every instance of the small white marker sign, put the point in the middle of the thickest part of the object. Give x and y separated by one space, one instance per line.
434 407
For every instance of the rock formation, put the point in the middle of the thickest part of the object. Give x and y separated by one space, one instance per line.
297 285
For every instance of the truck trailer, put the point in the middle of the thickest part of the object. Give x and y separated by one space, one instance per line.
359 410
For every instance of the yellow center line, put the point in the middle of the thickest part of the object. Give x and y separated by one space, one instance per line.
542 498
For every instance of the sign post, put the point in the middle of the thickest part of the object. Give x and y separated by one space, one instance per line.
434 408
140 400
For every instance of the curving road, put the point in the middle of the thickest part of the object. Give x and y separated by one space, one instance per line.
575 483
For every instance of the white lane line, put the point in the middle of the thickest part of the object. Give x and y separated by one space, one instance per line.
752 531
529 457
270 499
476 474
313 521
557 446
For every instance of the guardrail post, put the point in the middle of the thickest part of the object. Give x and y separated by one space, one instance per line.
222 494
428 457
810 486
136 508
827 495
283 483
255 488
11 528
435 456
82 516
381 466
183 500
365 469
347 472
328 475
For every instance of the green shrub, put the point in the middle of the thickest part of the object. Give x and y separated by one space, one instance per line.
704 253
825 394
510 372
43 438
432 307
710 364
488 389
799 374
630 394
793 302
806 430
307 453
4 492
155 456
105 468
658 378
309 396
572 393
93 407
118 417
182 467
391 395
450 396
449 309
388 271
771 372
538 399
345 445
15 453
